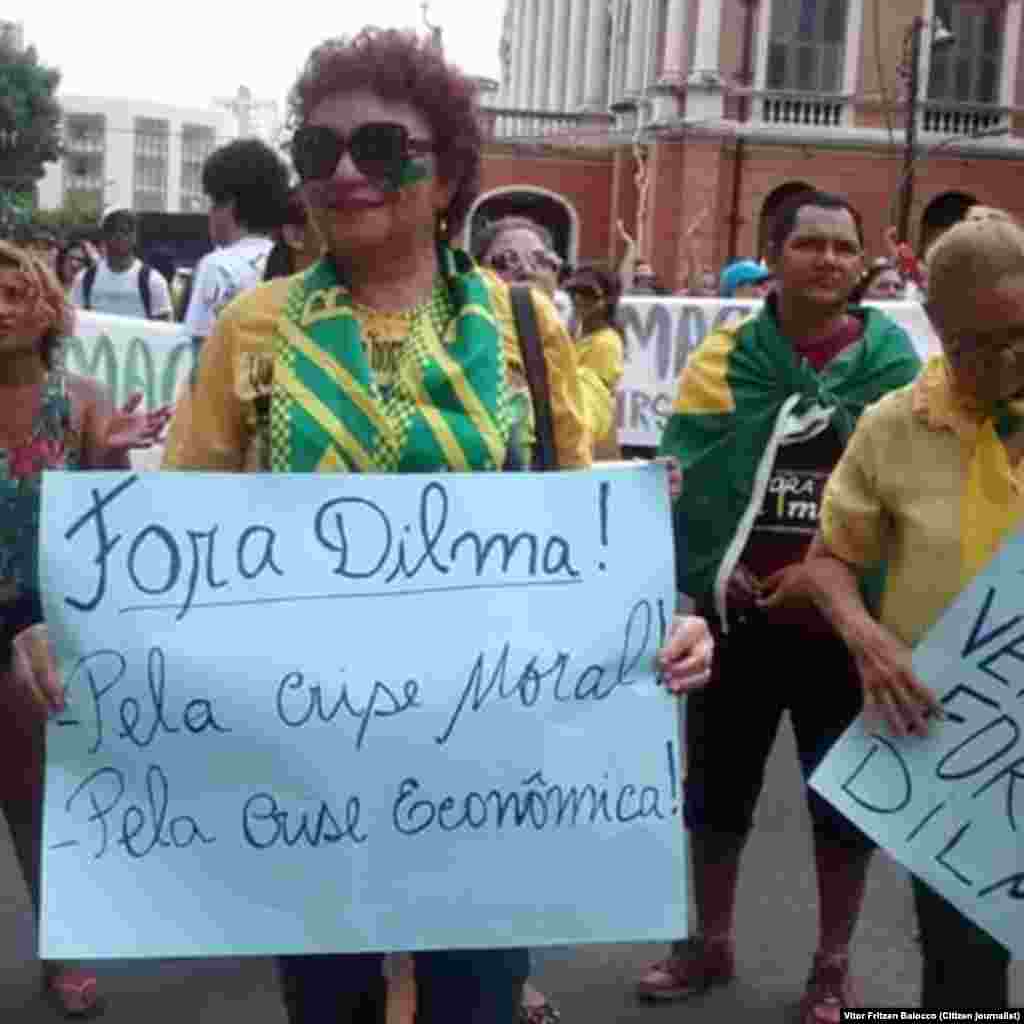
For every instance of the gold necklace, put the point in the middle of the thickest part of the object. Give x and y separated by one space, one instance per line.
387 328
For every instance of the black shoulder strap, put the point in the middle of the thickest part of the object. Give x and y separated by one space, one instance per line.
545 455
87 282
147 300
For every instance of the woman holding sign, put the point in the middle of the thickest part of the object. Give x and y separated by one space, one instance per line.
960 425
49 419
392 354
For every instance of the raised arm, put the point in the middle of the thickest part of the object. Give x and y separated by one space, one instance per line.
627 265
693 272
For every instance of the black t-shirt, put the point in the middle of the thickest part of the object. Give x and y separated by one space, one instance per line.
788 519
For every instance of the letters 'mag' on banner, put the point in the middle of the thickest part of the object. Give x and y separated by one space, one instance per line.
126 355
950 807
344 713
660 334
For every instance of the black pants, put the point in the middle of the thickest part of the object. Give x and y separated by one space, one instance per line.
964 967
762 669
452 987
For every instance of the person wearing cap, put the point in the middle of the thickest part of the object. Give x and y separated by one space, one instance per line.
744 279
120 283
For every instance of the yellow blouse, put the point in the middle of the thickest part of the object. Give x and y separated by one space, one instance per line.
921 487
215 428
601 367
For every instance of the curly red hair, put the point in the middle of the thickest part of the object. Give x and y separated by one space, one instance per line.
48 302
400 67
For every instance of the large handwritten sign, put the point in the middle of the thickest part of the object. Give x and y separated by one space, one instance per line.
950 807
341 713
659 336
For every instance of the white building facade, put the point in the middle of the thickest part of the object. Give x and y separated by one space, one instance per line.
587 55
132 153
812 65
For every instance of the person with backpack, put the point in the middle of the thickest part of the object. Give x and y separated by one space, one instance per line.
119 282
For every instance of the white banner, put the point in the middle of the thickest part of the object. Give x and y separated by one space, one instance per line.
660 334
126 355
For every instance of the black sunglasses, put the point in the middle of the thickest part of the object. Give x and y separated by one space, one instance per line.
508 261
378 149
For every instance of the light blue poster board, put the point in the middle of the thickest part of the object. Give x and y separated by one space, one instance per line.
352 713
950 807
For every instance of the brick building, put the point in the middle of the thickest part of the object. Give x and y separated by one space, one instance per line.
652 111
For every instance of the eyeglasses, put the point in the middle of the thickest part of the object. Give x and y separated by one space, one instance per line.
509 261
377 148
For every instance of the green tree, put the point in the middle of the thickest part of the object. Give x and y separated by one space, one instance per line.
78 212
29 120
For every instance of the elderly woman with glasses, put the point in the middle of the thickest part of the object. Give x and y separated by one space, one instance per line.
393 353
521 251
930 485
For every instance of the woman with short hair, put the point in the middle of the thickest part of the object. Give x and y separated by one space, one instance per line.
521 251
394 353
930 485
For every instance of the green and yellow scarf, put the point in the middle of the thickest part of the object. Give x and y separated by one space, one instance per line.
737 393
448 408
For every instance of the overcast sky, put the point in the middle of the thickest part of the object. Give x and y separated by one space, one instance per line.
190 51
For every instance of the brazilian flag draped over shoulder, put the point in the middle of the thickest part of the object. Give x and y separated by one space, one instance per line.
735 390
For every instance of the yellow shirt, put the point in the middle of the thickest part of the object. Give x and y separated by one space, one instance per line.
215 428
903 493
601 366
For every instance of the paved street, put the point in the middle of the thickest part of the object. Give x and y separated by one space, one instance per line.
592 985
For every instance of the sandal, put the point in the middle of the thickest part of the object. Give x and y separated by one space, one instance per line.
828 990
72 992
689 972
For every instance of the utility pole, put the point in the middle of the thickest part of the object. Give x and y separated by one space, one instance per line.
939 38
912 55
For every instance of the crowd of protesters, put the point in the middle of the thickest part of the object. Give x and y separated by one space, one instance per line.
386 146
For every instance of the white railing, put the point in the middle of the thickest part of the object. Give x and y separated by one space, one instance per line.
506 124
962 118
801 110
